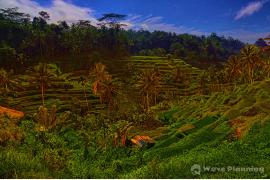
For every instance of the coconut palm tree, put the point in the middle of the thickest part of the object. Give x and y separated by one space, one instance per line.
99 75
107 93
212 77
42 75
182 75
83 82
103 86
250 56
203 80
233 68
149 85
266 68
220 80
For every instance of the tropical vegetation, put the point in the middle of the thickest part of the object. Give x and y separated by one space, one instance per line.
91 97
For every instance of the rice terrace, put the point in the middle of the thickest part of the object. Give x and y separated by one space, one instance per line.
134 90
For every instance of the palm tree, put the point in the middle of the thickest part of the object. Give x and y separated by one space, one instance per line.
149 85
107 93
250 60
83 82
233 68
40 38
220 80
212 77
266 68
203 82
42 74
103 86
181 75
99 75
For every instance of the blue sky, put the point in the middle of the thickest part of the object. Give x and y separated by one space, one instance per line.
243 19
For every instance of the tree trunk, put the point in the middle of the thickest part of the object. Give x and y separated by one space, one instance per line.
40 46
155 96
252 75
42 93
85 97
147 101
6 87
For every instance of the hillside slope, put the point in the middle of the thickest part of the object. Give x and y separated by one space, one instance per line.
223 130
67 91
226 129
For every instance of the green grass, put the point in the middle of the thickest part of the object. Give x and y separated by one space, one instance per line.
208 148
64 153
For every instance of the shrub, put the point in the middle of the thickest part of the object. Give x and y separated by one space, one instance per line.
47 120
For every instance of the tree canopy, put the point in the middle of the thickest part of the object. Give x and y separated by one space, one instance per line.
30 41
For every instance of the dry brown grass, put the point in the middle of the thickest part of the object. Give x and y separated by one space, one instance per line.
186 127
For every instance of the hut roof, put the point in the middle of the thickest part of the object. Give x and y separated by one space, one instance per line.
141 140
11 112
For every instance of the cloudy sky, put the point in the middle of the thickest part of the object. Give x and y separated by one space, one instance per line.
246 20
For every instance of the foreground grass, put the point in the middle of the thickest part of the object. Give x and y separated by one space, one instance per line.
66 153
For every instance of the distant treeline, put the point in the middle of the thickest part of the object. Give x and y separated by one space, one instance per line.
200 49
25 41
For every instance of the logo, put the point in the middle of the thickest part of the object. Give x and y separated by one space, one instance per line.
196 169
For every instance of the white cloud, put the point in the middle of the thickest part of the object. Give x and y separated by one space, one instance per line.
65 10
152 23
58 10
250 9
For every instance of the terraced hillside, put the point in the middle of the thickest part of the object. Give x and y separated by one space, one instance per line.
225 129
68 93
167 69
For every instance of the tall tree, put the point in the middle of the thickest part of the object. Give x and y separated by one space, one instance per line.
42 75
41 39
14 15
149 84
233 68
99 74
250 56
84 82
40 24
102 82
112 20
